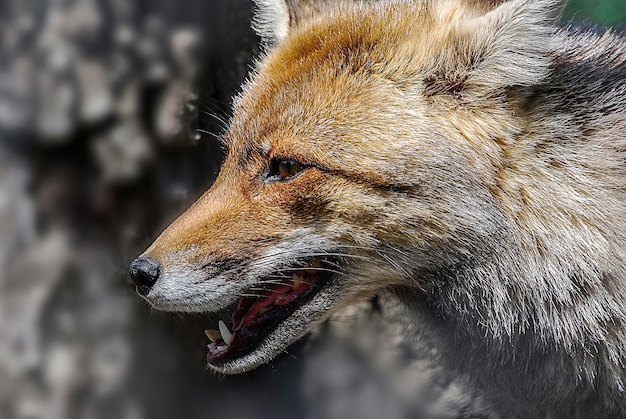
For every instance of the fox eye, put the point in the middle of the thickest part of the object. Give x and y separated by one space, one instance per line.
283 169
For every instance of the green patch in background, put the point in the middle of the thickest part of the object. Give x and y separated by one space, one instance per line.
598 12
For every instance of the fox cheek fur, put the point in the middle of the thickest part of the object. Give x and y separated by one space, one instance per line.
463 159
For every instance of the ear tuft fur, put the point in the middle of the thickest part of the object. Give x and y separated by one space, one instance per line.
271 20
275 18
509 45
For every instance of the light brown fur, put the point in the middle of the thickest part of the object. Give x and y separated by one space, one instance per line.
465 153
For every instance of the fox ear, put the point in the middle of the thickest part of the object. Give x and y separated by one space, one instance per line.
275 18
508 43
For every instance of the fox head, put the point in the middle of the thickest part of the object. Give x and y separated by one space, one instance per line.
364 153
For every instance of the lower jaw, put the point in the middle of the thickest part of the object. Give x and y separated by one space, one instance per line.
271 346
237 343
286 333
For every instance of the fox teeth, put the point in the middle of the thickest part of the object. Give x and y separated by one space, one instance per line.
213 335
297 280
227 336
279 298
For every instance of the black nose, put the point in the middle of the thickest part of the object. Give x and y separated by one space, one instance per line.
145 272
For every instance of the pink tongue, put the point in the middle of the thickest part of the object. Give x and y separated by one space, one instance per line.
267 301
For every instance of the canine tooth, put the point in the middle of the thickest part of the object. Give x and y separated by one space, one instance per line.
213 335
226 335
297 280
280 298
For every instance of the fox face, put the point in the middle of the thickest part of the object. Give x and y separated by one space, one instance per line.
364 153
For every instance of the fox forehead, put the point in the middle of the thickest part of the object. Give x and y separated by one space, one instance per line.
347 88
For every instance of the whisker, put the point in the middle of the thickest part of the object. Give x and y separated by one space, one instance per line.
317 269
249 295
203 131
371 249
328 262
269 281
217 104
268 262
291 355
210 112
395 265
347 255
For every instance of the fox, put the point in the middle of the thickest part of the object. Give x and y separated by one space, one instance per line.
464 161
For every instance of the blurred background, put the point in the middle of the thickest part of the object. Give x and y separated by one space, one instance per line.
109 113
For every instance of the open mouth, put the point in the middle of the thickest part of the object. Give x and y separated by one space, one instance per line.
258 313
